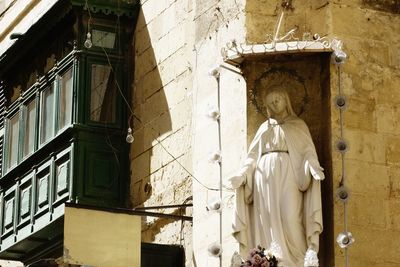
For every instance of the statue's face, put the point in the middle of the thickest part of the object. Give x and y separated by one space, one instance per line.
276 103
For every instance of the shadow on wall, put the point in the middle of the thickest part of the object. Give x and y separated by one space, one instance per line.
151 108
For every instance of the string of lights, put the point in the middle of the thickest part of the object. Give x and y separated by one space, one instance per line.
215 249
234 53
344 239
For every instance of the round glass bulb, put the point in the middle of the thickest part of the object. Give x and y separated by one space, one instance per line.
214 204
340 102
215 157
214 249
129 137
214 114
88 43
339 57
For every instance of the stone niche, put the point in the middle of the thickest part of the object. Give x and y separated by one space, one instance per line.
306 77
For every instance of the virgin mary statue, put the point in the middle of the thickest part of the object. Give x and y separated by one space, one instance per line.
278 195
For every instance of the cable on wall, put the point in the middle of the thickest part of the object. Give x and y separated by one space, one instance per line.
345 238
215 249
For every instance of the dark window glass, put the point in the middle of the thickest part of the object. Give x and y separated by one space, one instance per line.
103 94
30 119
47 114
13 136
65 100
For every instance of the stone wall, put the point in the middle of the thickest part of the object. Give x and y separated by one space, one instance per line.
371 81
217 22
370 32
4 4
178 42
162 100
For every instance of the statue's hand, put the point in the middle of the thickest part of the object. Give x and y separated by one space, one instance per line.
235 181
317 173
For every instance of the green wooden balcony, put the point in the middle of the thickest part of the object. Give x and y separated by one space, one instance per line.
64 137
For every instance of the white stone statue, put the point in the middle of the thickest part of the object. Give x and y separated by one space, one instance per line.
278 193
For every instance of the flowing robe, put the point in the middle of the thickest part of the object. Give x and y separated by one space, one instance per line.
279 204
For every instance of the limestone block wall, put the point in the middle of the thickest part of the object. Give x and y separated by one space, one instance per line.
312 16
370 78
177 42
4 4
162 100
217 22
18 16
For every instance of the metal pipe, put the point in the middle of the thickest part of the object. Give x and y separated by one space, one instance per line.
130 212
220 165
164 207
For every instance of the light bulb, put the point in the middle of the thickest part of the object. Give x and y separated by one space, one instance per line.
129 137
345 239
214 71
214 249
88 43
215 157
339 57
342 146
341 102
214 204
343 194
214 114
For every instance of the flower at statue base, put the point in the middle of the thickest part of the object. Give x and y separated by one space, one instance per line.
258 257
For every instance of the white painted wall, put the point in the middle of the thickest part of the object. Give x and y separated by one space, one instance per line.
21 15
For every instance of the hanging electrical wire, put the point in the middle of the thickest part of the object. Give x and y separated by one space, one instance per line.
155 138
88 42
130 137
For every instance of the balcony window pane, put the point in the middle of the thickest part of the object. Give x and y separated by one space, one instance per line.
29 142
13 136
103 39
103 94
47 114
65 106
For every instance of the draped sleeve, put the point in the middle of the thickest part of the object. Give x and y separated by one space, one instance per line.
309 173
244 194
